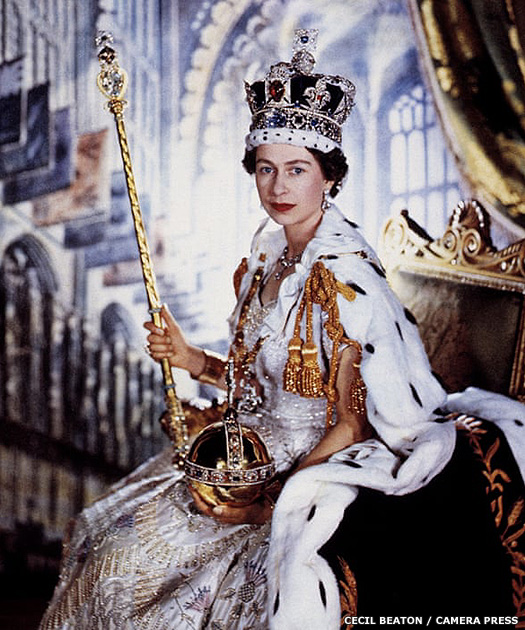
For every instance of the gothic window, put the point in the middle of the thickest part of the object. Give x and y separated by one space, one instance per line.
44 38
23 259
26 281
116 324
423 177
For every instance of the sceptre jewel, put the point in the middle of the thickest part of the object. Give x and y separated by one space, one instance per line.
112 80
286 263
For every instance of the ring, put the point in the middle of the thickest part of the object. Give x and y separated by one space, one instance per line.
147 349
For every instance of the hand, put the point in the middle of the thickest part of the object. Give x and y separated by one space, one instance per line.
170 343
255 513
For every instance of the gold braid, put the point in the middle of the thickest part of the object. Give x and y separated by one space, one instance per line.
292 369
238 350
238 275
321 288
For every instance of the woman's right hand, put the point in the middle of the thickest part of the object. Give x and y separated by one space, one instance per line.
170 343
256 513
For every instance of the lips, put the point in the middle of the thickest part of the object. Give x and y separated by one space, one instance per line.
283 207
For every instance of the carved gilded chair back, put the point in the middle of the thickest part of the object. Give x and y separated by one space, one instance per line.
466 295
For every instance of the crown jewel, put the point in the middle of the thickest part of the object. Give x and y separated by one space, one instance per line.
295 106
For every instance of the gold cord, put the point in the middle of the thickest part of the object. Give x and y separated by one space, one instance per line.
243 357
321 288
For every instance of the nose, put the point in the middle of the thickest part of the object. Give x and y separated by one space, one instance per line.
280 185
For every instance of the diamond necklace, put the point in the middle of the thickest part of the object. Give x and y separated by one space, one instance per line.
286 263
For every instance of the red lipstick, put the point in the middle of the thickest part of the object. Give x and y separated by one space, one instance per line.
283 207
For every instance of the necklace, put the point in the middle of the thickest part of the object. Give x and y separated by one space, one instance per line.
285 263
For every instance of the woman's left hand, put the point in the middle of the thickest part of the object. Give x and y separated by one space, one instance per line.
255 513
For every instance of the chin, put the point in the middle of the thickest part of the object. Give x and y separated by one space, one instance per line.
282 218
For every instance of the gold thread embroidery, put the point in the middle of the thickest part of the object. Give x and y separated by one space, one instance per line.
117 563
510 523
238 275
153 536
347 594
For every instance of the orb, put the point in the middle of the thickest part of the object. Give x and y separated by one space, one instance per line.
228 464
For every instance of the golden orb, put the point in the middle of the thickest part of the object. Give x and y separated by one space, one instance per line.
228 464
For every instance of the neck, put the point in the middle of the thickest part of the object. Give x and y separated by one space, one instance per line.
299 235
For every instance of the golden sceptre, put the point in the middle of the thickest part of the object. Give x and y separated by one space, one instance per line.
112 82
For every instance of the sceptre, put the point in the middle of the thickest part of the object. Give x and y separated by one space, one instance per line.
112 82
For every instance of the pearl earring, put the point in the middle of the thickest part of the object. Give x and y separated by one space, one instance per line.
325 204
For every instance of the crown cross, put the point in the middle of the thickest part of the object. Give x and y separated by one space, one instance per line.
305 40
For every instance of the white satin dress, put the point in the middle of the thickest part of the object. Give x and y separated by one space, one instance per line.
143 557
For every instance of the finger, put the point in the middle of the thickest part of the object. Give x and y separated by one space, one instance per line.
161 347
161 343
231 515
168 318
158 356
201 505
154 329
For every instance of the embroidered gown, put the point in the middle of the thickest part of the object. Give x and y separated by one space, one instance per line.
144 557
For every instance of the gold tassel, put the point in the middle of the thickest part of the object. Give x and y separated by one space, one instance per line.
357 391
302 374
292 369
311 377
357 402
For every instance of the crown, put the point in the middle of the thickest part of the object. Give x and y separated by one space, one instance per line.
294 106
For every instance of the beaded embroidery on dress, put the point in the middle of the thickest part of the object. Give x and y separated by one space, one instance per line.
143 557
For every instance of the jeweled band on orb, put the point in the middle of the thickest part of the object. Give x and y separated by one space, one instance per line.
232 477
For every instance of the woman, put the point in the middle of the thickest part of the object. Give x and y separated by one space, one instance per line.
292 185
329 370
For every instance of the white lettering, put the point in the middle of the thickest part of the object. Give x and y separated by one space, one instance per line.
400 621
458 621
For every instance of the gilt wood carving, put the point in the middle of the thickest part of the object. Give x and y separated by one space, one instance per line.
464 254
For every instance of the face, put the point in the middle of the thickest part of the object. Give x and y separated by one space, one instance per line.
290 184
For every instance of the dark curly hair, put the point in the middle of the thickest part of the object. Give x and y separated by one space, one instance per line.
333 165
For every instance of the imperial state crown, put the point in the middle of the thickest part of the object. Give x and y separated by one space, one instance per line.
293 105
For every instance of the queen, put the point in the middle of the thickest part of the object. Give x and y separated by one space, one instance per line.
329 371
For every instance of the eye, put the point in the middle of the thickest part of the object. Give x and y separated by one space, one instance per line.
265 170
297 170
